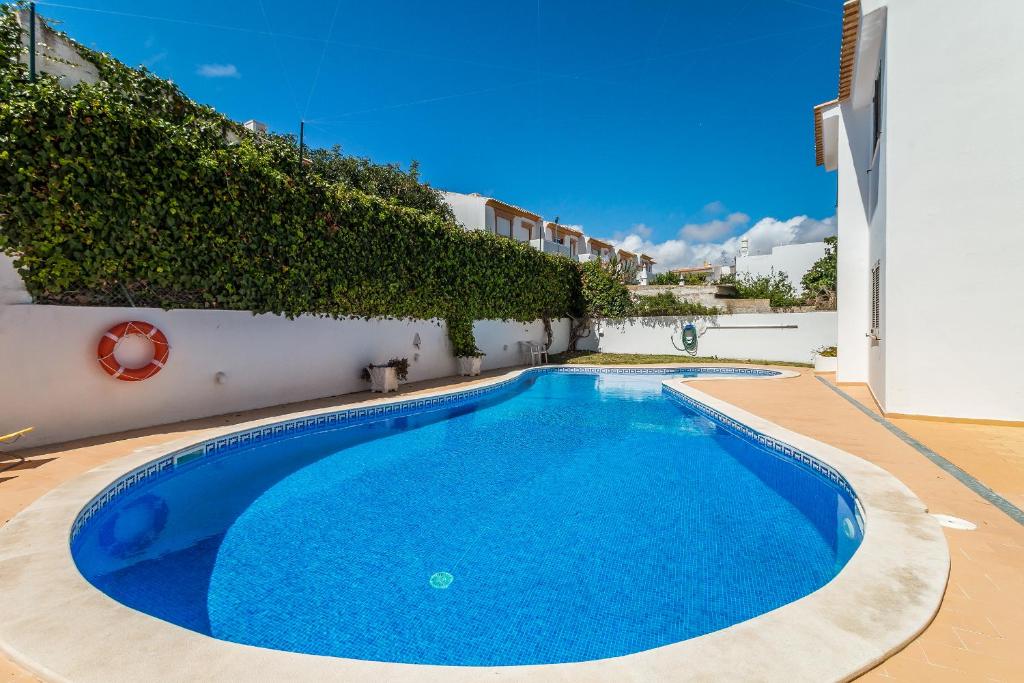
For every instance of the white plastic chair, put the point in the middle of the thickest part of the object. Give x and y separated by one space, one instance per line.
538 352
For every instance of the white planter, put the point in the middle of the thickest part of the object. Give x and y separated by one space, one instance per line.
826 364
383 380
469 366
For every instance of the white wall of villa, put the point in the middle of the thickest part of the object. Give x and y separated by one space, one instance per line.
12 288
757 336
53 382
792 259
931 204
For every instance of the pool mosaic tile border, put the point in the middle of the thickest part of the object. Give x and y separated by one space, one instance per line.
353 416
798 456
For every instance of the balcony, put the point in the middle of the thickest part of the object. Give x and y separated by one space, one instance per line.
549 247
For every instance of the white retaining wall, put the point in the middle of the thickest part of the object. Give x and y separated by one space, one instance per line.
52 381
756 336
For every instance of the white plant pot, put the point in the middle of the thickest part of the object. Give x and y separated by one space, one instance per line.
383 380
469 366
826 364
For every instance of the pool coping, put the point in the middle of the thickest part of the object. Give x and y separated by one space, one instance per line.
60 627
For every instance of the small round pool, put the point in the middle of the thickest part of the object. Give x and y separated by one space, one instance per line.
559 517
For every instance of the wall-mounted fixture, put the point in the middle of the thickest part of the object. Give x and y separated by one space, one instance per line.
416 340
221 378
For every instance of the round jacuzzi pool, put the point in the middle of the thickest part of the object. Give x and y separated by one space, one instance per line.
558 517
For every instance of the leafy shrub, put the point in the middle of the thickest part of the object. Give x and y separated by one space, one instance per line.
401 366
693 279
665 303
460 332
820 281
775 287
604 294
665 279
127 186
827 351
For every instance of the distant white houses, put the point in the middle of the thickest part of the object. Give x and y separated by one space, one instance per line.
930 164
561 239
707 272
645 273
476 212
792 259
598 249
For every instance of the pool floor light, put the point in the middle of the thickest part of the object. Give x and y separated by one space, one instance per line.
441 580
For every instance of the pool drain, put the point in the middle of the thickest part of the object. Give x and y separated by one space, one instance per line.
951 522
441 580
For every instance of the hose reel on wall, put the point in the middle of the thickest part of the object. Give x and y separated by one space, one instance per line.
688 338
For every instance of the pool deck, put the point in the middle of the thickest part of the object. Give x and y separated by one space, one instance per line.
978 633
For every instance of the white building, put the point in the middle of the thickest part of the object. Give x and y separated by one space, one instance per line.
930 162
560 239
792 259
645 273
476 212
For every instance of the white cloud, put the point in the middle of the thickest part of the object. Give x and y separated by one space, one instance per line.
715 208
149 62
702 242
713 230
218 71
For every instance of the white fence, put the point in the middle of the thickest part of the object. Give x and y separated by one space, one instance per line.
52 381
759 336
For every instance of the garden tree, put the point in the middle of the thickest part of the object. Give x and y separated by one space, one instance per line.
695 278
665 279
381 180
604 294
820 282
775 287
624 271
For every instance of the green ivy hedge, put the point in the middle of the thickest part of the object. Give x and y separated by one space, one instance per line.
128 186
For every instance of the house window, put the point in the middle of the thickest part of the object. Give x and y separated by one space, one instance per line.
503 224
524 232
876 312
572 246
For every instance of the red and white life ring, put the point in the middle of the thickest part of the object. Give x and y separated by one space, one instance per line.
108 343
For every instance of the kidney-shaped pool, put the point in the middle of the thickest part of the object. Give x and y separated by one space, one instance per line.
558 517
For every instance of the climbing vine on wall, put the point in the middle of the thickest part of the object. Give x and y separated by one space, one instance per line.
128 187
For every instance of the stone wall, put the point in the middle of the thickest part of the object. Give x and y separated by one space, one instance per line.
704 295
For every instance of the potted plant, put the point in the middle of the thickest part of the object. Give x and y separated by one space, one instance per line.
385 377
826 359
467 355
469 363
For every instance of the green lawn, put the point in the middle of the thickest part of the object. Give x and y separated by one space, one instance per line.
594 358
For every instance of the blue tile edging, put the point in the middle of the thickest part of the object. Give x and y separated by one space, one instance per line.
799 457
264 434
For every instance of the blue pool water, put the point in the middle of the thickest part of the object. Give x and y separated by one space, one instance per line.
567 517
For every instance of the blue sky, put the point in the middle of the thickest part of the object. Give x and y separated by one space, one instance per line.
669 126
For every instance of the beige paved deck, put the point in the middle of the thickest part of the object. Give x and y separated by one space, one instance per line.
978 634
979 631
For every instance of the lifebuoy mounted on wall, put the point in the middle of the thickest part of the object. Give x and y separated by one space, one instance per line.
108 343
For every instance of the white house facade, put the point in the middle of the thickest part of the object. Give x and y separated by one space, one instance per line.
930 163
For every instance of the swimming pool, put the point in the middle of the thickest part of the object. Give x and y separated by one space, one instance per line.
556 517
